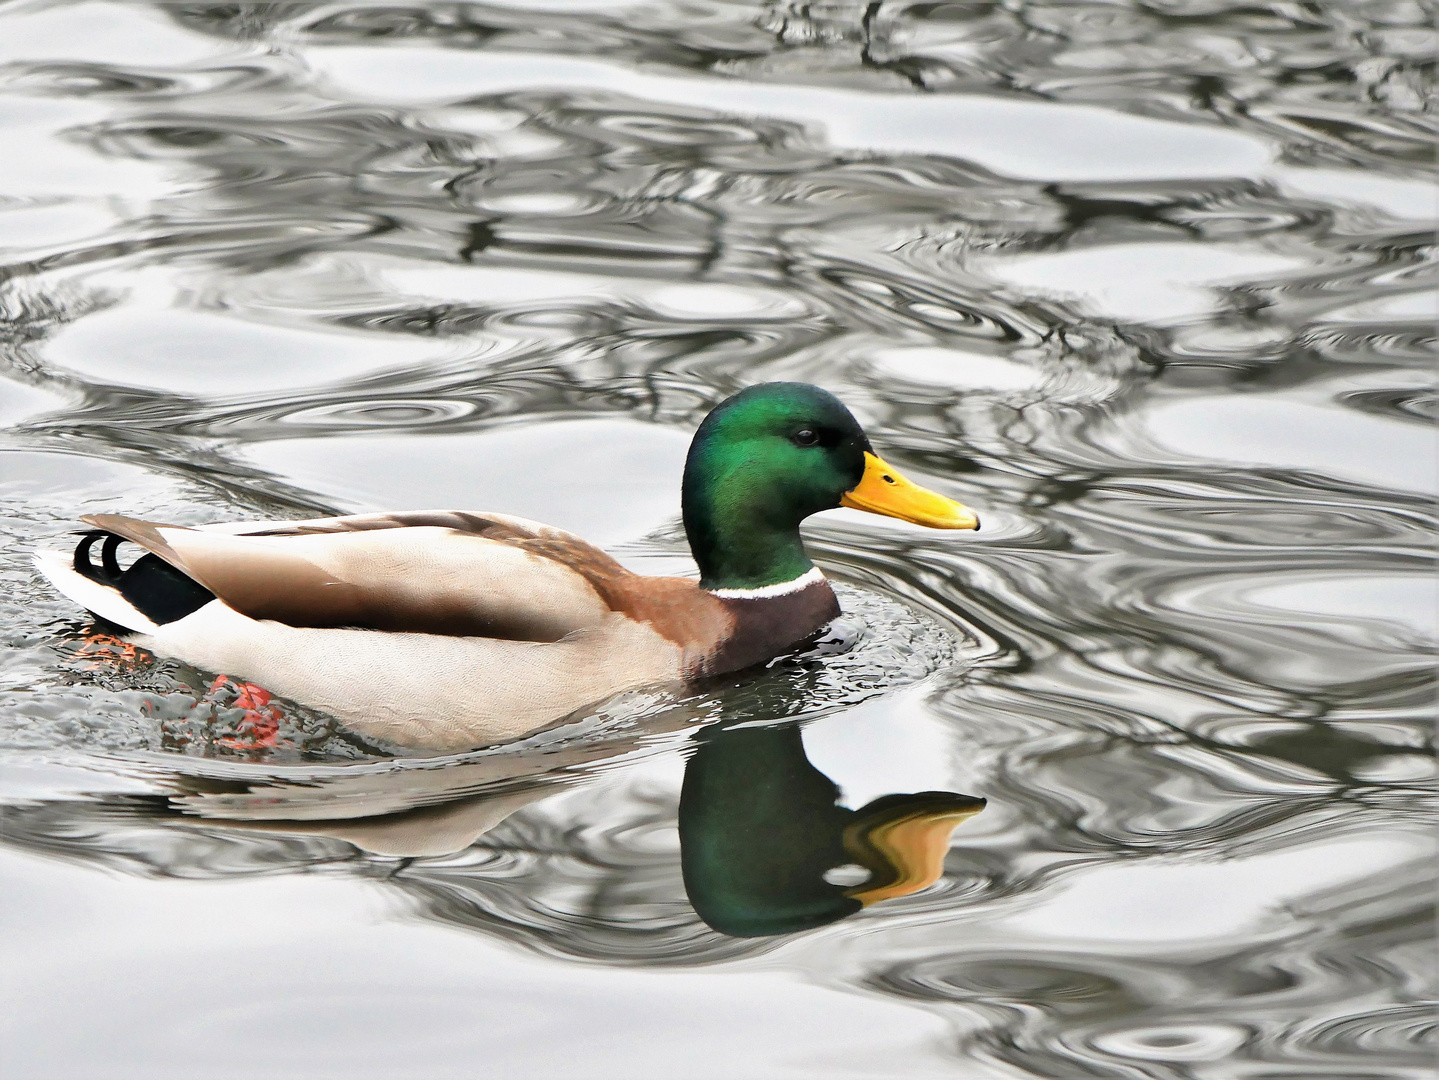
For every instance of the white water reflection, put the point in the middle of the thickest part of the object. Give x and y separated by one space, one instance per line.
53 166
290 1000
1145 283
1068 142
955 368
608 480
500 287
206 353
1173 901
1276 430
1416 200
1412 600
103 33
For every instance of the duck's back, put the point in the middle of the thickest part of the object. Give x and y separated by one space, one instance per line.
446 572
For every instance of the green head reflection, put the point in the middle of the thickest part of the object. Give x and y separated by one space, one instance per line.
761 836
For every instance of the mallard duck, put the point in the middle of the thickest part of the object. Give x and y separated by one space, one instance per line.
453 629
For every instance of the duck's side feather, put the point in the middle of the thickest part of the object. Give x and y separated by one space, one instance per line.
424 690
463 574
498 578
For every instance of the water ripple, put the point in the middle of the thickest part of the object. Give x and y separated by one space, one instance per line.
1188 662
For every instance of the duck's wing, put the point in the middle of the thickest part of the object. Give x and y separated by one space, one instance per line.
439 573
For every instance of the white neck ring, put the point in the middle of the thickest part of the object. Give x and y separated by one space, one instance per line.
782 588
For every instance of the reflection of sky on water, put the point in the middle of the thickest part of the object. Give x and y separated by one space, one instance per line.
1013 137
1150 298
1293 434
449 999
605 479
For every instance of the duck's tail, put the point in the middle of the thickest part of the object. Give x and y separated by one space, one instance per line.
96 597
139 598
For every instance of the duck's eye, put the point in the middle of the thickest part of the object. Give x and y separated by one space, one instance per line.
805 437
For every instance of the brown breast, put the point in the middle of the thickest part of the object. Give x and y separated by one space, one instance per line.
765 627
718 633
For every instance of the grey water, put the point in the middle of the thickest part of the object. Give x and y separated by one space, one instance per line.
1147 284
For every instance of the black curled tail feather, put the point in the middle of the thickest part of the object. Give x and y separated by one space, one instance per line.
155 588
108 572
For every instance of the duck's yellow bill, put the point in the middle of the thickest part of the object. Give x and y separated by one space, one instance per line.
882 490
914 847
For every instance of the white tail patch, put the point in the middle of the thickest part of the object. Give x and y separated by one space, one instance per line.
103 600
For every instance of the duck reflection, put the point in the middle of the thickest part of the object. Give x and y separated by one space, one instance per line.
767 849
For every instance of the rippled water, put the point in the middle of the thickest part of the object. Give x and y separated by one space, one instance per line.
1143 283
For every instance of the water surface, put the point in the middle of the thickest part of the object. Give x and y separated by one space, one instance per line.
1148 285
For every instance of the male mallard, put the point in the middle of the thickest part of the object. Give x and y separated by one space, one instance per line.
451 629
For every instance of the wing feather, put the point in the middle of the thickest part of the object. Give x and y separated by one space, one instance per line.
491 577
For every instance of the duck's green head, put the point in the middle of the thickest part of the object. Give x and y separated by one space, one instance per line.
770 456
